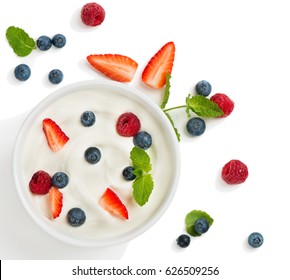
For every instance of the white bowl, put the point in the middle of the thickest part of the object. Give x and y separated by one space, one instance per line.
108 100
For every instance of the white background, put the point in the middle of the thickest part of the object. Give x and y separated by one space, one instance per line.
242 48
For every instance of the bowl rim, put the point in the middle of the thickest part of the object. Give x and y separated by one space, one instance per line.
136 95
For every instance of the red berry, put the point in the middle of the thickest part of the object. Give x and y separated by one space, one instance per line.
128 124
40 182
92 14
224 102
235 172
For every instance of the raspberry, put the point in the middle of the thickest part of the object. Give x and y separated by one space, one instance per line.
235 172
92 14
40 182
128 124
224 102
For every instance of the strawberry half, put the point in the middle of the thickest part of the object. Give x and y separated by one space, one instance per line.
55 137
154 74
55 199
112 203
115 66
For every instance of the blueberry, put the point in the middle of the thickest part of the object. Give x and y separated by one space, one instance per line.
55 76
58 40
201 226
60 180
22 72
44 43
128 173
76 217
203 88
196 126
88 118
142 140
183 240
92 155
255 239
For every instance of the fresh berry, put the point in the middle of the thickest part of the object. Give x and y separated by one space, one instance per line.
59 40
154 74
88 118
44 43
128 174
142 140
55 76
255 239
112 203
55 199
128 124
92 14
203 88
224 102
22 72
92 155
60 180
76 217
40 182
55 137
183 240
195 126
235 172
201 226
115 66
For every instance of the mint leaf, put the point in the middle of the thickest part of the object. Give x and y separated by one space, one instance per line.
192 217
203 107
142 189
20 41
140 159
172 123
166 91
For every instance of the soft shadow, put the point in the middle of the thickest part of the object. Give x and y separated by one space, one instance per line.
20 237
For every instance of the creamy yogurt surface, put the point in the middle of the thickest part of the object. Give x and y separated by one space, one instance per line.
88 182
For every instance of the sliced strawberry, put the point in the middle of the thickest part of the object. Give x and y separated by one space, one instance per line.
115 66
55 199
112 203
55 137
154 74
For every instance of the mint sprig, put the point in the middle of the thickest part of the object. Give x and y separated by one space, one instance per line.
191 219
198 104
202 106
143 183
21 43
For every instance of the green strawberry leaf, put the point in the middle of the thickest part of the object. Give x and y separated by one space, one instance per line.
20 41
192 217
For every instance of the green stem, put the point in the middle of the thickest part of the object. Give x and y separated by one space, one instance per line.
173 108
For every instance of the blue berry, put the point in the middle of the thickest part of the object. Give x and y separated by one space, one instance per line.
183 240
128 173
44 43
76 217
22 72
203 88
60 180
196 126
255 239
201 226
88 118
58 40
92 155
142 140
55 76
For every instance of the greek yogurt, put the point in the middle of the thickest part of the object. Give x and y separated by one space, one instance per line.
88 182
